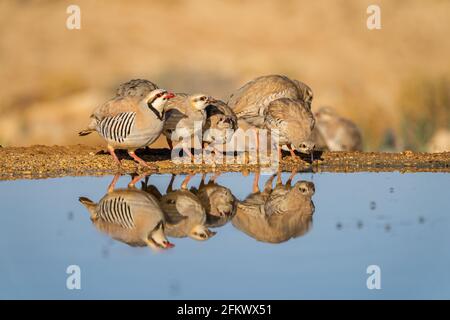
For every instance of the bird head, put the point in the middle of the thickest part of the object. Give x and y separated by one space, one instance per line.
158 98
305 188
158 238
201 233
223 203
306 146
201 101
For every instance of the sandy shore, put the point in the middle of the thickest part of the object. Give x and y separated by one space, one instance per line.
79 160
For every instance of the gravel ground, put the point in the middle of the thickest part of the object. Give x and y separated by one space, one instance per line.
56 161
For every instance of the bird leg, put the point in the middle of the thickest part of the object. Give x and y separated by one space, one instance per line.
112 185
136 179
280 154
188 153
256 182
170 186
268 184
257 145
139 160
111 151
291 150
185 182
279 181
289 181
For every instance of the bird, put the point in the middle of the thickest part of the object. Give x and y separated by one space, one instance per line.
130 216
251 103
138 88
218 201
130 123
291 123
339 134
185 119
184 213
220 124
279 214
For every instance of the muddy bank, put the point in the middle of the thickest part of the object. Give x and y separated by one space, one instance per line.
79 160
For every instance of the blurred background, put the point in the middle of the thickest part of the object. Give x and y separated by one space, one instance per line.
394 83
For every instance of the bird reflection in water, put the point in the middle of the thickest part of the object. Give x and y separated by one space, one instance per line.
277 214
130 216
146 217
218 201
185 214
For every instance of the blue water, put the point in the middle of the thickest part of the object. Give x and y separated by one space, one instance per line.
399 222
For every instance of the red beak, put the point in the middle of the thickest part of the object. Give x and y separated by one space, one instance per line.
170 95
169 245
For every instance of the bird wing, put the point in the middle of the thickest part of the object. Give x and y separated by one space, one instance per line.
117 127
173 117
136 88
116 210
189 205
291 118
115 106
250 101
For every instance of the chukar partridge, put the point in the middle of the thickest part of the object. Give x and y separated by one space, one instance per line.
221 122
184 213
251 103
138 88
130 216
129 123
276 215
185 114
339 134
218 201
292 123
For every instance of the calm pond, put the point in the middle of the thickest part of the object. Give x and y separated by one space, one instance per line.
314 239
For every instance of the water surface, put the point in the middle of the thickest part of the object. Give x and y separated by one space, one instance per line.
399 222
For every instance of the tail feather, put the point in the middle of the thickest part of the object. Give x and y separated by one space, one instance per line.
85 132
90 206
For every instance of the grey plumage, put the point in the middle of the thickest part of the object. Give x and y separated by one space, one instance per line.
220 124
218 201
185 214
292 120
277 102
276 215
136 88
339 134
130 216
130 122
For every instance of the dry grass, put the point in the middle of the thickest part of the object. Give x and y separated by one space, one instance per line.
214 46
